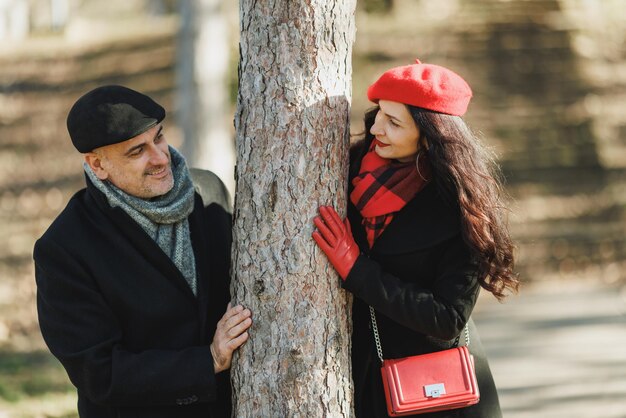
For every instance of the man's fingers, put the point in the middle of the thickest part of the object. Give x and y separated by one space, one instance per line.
239 328
230 334
235 343
232 311
226 315
237 318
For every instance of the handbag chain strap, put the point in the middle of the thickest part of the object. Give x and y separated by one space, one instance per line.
379 347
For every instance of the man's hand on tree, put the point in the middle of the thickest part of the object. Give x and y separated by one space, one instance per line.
334 237
230 334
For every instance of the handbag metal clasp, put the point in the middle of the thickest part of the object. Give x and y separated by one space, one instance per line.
435 390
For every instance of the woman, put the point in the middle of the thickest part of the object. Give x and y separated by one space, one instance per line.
429 231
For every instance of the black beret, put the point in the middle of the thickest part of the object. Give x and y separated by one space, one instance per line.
111 114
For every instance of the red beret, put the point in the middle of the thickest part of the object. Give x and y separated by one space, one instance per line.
423 85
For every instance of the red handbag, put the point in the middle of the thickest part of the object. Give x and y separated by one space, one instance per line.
430 382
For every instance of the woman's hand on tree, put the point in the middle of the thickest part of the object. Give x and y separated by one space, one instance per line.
334 237
230 334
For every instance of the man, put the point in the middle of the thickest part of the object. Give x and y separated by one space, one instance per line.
133 276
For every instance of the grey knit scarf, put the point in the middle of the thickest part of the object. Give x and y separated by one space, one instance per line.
164 218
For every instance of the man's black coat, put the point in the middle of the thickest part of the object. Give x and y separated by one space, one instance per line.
119 315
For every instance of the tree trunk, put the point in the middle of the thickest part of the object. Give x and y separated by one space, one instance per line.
292 127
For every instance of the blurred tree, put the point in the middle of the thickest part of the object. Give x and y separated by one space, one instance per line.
378 6
292 142
14 19
202 88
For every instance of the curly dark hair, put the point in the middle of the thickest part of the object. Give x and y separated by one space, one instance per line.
466 174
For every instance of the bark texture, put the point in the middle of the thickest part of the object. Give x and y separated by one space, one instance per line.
292 144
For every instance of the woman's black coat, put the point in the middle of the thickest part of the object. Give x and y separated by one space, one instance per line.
420 278
119 315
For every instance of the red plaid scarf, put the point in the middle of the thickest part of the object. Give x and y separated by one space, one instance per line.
382 188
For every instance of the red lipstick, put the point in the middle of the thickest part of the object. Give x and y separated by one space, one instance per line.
380 144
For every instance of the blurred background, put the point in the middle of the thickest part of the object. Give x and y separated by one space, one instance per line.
549 81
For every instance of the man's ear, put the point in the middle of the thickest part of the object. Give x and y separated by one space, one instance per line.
94 160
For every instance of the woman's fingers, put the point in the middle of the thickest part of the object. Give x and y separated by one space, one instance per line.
328 235
332 220
346 222
337 220
321 242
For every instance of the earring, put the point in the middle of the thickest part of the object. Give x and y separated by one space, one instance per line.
417 164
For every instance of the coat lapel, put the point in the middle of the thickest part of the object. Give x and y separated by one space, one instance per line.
142 242
201 249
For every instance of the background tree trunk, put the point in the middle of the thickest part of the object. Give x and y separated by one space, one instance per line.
201 76
292 141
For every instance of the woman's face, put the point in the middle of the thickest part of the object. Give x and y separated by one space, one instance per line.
397 135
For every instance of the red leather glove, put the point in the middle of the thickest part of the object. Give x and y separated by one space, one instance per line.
335 239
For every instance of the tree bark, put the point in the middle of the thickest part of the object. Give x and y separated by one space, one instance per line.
292 125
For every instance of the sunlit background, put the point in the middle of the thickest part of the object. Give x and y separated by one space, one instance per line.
549 81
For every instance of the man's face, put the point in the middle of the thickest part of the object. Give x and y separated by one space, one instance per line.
140 166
